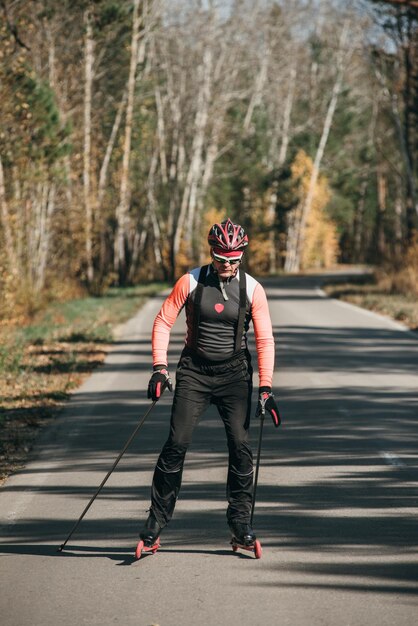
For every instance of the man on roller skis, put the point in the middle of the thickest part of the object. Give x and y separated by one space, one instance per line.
220 300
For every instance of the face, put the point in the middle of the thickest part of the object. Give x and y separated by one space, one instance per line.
225 269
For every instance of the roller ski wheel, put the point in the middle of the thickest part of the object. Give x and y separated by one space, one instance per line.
143 548
243 537
254 547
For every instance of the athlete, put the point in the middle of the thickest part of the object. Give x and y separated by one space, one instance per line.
220 301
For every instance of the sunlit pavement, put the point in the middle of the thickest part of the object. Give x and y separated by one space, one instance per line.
336 504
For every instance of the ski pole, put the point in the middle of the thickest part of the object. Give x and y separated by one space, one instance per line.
257 467
122 452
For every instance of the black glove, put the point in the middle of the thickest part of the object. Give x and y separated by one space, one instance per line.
266 402
159 380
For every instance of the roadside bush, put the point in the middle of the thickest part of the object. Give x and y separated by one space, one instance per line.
404 280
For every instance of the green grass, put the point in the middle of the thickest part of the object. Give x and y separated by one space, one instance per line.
89 319
42 361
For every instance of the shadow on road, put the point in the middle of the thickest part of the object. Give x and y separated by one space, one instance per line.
355 517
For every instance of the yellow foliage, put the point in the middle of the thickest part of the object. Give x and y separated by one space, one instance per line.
8 281
19 302
405 279
320 239
184 259
258 257
411 267
260 243
211 217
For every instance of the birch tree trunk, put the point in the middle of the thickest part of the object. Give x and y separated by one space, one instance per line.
161 136
411 193
189 194
108 152
286 118
152 206
88 88
150 218
412 202
51 58
293 257
258 89
124 196
381 210
224 83
211 156
271 219
45 227
398 224
5 222
271 210
177 158
359 220
20 202
197 165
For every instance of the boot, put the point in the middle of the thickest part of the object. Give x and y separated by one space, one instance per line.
151 531
242 532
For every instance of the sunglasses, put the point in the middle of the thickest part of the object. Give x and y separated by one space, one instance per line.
221 260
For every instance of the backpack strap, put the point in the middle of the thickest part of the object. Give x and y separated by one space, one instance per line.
242 310
197 307
197 302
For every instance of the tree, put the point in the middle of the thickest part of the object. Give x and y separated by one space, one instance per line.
397 74
296 240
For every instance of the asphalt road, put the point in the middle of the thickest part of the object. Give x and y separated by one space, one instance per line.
337 500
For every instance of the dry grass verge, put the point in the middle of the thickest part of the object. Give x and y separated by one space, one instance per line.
43 361
373 294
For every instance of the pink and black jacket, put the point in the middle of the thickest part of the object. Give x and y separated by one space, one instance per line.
213 324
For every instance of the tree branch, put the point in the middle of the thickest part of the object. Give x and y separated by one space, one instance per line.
12 27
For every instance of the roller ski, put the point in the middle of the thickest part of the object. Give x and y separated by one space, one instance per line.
149 537
243 537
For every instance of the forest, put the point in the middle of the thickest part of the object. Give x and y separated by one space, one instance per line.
128 127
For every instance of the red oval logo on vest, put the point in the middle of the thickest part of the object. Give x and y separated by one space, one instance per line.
219 307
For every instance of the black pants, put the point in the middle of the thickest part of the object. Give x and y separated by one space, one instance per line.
199 383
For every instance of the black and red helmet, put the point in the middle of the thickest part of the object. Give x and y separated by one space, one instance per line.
228 237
